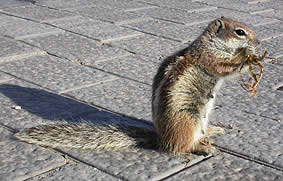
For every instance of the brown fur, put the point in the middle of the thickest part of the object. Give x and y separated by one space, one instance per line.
183 92
185 83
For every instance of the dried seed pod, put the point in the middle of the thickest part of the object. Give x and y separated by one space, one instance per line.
252 83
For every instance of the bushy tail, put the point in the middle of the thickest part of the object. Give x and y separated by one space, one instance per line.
90 136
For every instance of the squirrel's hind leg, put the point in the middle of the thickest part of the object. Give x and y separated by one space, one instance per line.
212 131
204 145
204 148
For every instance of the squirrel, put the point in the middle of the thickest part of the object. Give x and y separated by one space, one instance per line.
183 93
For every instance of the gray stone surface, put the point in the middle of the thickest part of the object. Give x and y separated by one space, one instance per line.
125 5
275 48
19 161
138 68
99 30
176 15
13 50
76 48
37 106
110 15
5 77
124 96
268 102
249 19
168 30
36 13
183 5
228 167
65 4
134 164
55 74
255 7
192 18
92 61
255 136
269 31
13 27
149 45
74 172
12 3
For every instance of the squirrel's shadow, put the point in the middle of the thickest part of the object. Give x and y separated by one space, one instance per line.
54 107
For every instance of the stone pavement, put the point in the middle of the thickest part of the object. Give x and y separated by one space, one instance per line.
94 60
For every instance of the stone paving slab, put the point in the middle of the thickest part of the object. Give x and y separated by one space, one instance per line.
76 48
202 18
54 73
65 4
124 96
149 45
268 102
276 13
117 17
36 13
267 32
74 172
169 30
176 15
227 167
20 161
183 5
138 68
5 77
37 106
13 27
255 136
249 19
125 5
99 30
130 165
13 50
12 3
275 48
91 57
252 8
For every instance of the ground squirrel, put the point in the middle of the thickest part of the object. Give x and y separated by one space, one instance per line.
183 93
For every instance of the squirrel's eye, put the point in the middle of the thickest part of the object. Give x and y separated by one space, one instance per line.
240 32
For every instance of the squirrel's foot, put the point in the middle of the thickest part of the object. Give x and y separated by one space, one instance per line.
206 149
212 131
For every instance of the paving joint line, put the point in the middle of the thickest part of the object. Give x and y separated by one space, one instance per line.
112 58
81 101
12 130
191 11
91 165
86 86
46 23
260 115
249 158
45 172
152 34
71 97
111 73
186 168
39 35
108 110
22 56
120 76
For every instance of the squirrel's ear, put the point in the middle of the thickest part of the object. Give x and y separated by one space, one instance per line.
219 24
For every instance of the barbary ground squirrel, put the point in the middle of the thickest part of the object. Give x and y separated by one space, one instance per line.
183 93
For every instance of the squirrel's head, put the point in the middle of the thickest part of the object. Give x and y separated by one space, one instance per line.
228 37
